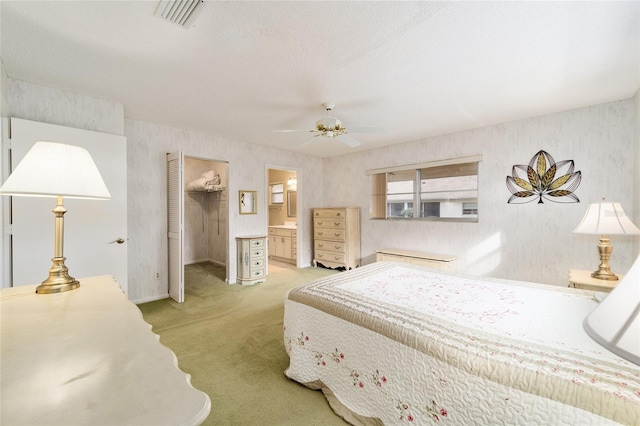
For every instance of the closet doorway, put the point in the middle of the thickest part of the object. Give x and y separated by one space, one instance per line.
283 208
198 216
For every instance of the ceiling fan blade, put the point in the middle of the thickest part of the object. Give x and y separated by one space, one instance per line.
378 130
308 141
348 140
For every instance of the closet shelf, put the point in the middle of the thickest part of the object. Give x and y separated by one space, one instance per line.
216 189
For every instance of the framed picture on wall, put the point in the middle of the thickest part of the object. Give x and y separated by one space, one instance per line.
247 202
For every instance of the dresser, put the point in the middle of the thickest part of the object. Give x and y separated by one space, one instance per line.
252 259
431 260
336 237
87 357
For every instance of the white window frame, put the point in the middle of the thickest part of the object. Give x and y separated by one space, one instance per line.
380 206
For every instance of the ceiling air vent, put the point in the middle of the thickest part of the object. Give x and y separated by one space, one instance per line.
180 12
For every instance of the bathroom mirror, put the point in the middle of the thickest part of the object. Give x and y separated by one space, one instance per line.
292 203
248 202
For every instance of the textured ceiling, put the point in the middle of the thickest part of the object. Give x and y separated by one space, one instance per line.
248 68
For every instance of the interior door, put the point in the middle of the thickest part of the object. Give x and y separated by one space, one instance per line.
175 224
91 227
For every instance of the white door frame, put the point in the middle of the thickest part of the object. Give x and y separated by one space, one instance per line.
5 202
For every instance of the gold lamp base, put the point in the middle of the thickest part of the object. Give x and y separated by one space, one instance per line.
603 275
604 270
59 279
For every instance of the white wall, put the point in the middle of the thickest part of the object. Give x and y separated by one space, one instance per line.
217 206
530 242
4 93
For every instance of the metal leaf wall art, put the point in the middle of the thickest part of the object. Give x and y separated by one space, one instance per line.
538 180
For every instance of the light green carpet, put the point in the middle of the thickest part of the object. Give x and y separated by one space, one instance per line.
229 339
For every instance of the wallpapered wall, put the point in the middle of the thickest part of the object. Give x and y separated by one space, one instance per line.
530 242
527 242
147 145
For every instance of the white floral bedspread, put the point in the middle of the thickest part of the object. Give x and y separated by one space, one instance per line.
399 343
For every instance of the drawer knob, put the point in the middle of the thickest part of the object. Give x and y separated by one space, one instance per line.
320 222
337 234
320 233
336 223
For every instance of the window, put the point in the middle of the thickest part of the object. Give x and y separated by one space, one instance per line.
441 190
400 193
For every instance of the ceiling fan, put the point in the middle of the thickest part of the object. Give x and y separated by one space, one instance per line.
330 127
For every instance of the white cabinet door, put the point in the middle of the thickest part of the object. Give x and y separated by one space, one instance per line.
175 224
90 226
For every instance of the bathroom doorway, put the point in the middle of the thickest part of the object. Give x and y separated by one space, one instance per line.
283 207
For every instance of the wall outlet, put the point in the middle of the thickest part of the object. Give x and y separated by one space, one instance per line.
157 275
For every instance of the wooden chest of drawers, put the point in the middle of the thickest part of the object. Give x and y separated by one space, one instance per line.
252 259
336 237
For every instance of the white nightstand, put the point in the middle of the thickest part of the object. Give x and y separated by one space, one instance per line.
583 279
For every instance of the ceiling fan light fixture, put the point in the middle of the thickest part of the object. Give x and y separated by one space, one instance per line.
328 123
330 127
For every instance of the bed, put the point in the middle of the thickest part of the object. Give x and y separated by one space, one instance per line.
392 343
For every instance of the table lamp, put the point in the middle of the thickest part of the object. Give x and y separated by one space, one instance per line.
615 322
605 218
57 170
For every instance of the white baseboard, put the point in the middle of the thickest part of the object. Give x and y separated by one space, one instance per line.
193 262
150 299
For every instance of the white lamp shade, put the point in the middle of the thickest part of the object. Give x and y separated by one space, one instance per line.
615 323
53 169
606 218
